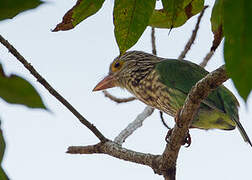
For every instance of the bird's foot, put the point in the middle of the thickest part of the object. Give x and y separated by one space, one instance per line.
187 141
177 119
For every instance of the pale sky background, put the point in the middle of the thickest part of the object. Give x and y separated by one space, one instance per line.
74 62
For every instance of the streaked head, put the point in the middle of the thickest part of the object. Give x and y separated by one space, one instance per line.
129 66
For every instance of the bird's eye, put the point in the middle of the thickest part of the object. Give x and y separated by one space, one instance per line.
117 64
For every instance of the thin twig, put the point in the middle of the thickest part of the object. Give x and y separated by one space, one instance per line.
218 35
117 100
163 121
193 36
207 58
138 122
153 41
51 90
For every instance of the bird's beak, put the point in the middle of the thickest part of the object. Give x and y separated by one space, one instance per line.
107 82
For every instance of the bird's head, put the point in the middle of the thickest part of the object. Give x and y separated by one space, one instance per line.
131 66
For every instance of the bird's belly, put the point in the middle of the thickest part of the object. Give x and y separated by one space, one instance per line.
159 100
170 103
212 119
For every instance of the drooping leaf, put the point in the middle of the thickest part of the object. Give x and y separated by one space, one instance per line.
10 8
237 47
217 23
131 18
217 15
3 175
169 18
79 12
16 90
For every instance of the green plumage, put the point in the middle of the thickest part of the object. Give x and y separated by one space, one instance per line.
218 110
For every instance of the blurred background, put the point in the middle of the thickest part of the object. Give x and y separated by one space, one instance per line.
74 62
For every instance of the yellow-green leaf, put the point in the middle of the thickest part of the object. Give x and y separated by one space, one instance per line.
16 90
237 47
10 8
81 10
175 17
131 18
217 23
217 15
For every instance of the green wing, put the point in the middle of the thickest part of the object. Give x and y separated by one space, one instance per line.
182 75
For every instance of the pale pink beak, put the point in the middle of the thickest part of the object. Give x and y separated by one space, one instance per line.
107 82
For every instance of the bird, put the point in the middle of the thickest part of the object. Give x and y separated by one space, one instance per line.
164 85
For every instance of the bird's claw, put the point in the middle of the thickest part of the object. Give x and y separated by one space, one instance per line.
187 141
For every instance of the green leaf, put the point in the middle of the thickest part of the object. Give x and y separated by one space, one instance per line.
175 17
237 47
3 175
173 7
17 90
81 10
217 15
131 18
10 8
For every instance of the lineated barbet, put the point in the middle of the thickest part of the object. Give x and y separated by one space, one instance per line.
164 85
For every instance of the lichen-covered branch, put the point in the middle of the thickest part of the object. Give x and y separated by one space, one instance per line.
115 150
51 90
138 122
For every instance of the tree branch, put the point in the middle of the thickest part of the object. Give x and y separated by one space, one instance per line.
218 35
138 122
207 58
198 92
51 90
115 150
193 36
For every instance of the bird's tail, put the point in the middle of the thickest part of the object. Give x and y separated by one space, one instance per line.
243 132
